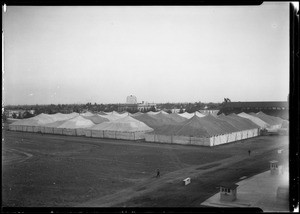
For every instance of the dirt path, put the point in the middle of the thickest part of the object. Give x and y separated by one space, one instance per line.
20 156
153 183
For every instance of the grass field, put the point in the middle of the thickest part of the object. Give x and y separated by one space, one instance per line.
51 170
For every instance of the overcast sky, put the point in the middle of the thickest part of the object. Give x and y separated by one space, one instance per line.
102 54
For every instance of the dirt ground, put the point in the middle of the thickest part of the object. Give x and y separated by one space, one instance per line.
51 170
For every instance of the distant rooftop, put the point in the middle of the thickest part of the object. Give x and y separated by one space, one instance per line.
256 104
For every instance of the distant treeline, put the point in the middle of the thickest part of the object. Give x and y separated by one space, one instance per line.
69 108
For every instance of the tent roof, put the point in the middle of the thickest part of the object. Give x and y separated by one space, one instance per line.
238 122
55 124
36 121
126 124
268 119
157 112
77 122
87 114
164 118
60 116
254 119
202 127
96 118
137 113
177 118
112 117
213 125
148 120
277 120
186 115
199 114
101 113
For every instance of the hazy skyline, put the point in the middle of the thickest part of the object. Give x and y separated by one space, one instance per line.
64 54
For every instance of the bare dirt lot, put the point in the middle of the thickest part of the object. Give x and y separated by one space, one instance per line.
51 170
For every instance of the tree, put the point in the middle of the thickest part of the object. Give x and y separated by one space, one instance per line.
180 111
152 108
19 116
169 111
14 115
27 114
4 117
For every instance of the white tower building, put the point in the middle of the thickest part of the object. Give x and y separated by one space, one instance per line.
131 99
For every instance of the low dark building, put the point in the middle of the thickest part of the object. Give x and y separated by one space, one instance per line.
127 107
277 109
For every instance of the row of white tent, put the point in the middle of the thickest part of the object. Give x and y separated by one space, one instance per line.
152 126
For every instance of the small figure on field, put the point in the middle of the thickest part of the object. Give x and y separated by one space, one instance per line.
249 152
157 173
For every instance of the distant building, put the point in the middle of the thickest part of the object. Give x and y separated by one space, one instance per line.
277 109
145 106
131 99
131 105
17 113
127 107
177 110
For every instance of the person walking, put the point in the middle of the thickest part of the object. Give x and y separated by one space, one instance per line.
157 173
249 152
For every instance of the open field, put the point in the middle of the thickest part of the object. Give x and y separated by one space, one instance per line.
53 170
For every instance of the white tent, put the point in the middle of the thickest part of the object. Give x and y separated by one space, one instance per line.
199 114
153 113
186 115
115 116
33 124
205 131
60 116
51 128
262 124
124 114
87 114
75 126
125 128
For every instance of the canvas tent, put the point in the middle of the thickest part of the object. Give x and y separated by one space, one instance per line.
60 116
126 128
101 113
177 118
149 120
199 114
87 114
205 131
95 118
165 119
157 112
136 114
75 126
247 128
190 115
186 115
274 124
51 128
262 124
115 116
33 124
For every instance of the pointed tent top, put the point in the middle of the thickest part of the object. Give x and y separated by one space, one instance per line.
210 117
126 124
199 114
137 113
186 115
88 113
152 112
77 122
96 118
126 119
